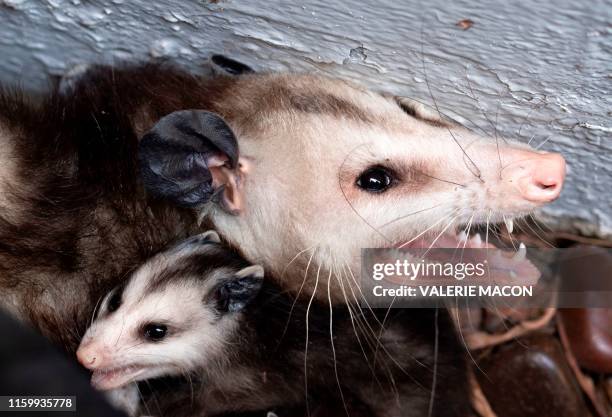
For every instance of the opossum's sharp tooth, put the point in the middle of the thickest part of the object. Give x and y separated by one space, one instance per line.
477 240
463 237
509 224
521 253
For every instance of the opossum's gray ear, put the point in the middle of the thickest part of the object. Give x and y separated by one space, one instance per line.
190 157
241 289
227 66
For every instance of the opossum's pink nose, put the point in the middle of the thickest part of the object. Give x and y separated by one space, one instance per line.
89 356
539 177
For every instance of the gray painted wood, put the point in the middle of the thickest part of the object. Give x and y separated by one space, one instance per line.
538 71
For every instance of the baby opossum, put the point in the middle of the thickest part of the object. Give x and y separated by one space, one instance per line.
198 309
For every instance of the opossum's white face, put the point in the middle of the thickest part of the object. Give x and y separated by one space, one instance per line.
175 315
326 168
360 170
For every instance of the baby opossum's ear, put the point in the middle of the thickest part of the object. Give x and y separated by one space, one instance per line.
241 289
190 157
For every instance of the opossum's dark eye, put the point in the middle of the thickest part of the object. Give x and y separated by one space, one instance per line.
115 301
375 180
155 332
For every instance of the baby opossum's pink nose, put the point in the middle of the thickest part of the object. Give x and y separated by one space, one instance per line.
89 356
539 178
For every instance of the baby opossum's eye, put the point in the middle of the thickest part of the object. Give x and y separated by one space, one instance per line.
154 332
375 179
115 302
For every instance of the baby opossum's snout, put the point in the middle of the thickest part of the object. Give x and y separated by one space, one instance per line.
174 315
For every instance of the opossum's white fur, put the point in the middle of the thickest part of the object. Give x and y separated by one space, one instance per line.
299 171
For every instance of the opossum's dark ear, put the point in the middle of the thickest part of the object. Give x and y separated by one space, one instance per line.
190 158
241 289
227 66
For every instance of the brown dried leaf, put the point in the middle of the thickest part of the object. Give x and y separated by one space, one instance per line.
481 340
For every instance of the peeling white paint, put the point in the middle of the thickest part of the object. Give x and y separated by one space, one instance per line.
540 71
595 127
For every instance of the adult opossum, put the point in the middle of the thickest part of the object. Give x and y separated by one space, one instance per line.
323 165
328 168
201 311
296 171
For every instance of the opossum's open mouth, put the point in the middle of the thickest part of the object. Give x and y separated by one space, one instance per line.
504 266
109 378
448 240
453 240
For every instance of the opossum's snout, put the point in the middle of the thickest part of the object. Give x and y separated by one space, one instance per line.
505 182
539 178
107 373
89 356
514 181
